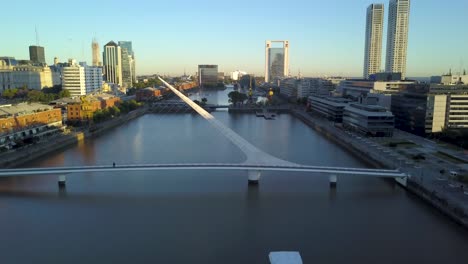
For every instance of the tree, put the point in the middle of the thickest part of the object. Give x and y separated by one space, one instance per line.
9 93
204 100
64 93
235 97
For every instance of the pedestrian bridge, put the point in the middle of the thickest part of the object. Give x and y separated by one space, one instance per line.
256 160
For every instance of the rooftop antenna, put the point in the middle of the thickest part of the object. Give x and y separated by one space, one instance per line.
37 36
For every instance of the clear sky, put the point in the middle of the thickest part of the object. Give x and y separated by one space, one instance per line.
326 37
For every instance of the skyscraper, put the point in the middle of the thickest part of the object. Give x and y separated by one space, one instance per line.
37 54
374 31
96 56
130 73
276 60
112 58
126 68
208 76
397 39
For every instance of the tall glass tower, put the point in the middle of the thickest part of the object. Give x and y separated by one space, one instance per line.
276 60
374 32
397 39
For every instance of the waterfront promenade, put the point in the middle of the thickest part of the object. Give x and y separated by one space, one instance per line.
426 181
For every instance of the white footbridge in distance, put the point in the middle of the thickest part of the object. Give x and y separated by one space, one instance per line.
256 160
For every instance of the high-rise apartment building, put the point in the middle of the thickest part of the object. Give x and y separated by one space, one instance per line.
96 56
112 58
276 60
37 54
93 78
73 79
374 31
397 39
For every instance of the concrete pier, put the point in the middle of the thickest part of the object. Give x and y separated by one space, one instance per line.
333 180
62 179
254 177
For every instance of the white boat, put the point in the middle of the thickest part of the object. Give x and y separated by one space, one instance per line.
285 257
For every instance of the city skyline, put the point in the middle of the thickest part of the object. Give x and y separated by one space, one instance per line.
320 45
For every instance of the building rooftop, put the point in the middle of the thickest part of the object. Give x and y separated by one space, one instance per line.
368 110
22 109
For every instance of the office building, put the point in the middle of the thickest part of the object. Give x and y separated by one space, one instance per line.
96 53
73 79
357 88
93 78
315 86
131 60
289 87
37 55
127 77
32 77
208 75
112 59
7 65
409 108
329 107
374 31
397 39
423 109
276 60
367 118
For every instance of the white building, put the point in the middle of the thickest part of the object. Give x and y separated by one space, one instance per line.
374 31
446 108
112 58
454 79
397 39
73 79
32 77
93 78
276 60
236 75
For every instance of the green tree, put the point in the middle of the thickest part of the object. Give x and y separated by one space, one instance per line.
64 93
237 98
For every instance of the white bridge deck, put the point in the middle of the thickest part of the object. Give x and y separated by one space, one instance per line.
201 166
256 159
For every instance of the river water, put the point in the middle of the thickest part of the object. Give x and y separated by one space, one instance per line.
214 216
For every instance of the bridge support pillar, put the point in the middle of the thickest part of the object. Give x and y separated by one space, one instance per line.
333 180
254 177
62 179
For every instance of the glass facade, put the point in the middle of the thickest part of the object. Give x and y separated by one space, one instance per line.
276 63
208 75
37 54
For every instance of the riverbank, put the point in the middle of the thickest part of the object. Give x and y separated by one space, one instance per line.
15 158
379 157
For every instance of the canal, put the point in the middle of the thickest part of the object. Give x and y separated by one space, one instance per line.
214 216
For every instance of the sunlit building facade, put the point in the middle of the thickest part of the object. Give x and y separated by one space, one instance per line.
397 39
112 58
374 31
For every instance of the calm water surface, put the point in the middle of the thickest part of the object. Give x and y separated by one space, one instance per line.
213 216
